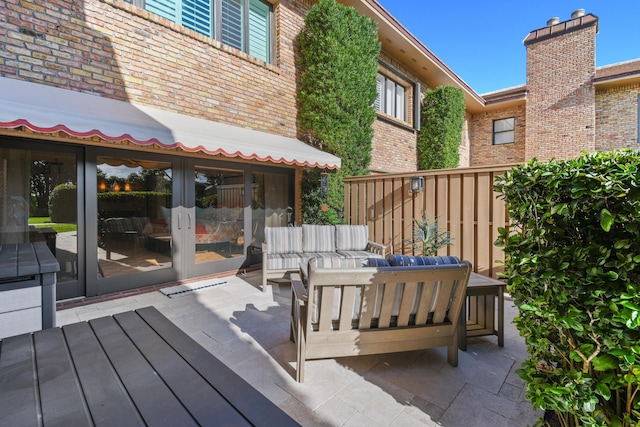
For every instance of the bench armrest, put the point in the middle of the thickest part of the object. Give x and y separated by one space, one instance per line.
377 248
299 291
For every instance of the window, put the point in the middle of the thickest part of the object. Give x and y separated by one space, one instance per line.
391 97
504 131
243 24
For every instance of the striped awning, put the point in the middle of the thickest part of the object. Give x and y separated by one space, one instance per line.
46 109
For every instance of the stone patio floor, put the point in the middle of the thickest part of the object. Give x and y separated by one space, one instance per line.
248 330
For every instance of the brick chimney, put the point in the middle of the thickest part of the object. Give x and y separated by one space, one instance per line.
560 108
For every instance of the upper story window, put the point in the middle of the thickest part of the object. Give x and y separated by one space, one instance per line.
243 24
504 131
391 97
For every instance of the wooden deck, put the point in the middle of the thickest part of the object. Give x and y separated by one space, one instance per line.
133 368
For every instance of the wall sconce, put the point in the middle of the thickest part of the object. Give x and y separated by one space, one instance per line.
324 183
417 184
102 186
116 187
127 187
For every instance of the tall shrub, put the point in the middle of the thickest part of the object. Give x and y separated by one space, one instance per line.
338 59
62 203
442 118
573 268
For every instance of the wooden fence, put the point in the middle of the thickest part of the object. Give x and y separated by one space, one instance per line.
462 199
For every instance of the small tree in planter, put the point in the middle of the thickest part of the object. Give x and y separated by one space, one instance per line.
572 265
428 238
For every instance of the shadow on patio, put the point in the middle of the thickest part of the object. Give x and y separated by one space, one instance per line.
248 330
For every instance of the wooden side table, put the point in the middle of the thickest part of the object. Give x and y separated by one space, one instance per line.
479 318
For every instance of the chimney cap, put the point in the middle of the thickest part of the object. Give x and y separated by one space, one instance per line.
553 21
577 13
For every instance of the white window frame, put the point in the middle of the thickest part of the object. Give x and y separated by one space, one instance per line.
391 97
504 131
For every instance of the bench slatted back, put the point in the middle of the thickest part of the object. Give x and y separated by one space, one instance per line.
385 297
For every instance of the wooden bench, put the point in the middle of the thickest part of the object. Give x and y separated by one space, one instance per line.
338 312
135 368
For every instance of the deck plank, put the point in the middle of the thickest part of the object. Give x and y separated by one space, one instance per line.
61 397
155 401
259 410
18 382
106 398
201 400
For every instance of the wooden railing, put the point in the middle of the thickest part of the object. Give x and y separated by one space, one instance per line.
462 200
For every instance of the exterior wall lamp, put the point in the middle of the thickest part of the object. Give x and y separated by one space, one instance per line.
417 184
324 183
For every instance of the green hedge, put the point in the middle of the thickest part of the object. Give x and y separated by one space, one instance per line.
338 59
63 203
442 119
572 266
132 203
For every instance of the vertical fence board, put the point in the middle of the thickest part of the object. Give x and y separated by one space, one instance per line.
484 233
407 215
499 220
468 217
388 214
441 211
397 215
455 216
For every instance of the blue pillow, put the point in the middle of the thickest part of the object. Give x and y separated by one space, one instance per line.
375 262
409 260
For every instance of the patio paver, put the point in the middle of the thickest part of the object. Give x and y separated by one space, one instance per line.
248 330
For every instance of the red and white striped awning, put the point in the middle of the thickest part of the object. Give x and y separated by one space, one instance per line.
46 109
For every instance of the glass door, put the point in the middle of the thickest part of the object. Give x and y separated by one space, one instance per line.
39 201
215 219
134 222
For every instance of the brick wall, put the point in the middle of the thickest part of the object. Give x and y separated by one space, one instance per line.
617 117
117 50
483 152
394 148
560 108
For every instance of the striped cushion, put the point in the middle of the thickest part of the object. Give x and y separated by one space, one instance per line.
352 237
323 259
284 261
283 240
318 238
408 260
360 255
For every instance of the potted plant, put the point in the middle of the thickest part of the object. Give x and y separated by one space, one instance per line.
427 236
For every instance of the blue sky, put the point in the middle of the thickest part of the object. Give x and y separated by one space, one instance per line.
481 41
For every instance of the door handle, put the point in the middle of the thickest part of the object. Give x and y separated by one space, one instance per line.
179 221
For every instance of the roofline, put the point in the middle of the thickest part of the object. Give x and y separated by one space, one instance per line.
380 10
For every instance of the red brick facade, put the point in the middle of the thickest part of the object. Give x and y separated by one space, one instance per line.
561 97
483 152
117 50
617 117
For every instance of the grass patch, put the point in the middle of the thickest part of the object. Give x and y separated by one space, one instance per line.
39 220
45 222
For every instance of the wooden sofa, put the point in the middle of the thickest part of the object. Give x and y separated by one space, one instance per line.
338 312
285 248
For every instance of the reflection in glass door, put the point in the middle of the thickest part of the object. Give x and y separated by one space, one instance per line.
38 202
271 205
134 216
219 214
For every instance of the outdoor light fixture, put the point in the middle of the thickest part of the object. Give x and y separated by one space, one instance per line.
127 187
417 184
116 187
103 186
324 183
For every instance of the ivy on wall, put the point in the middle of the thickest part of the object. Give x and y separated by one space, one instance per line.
338 59
441 128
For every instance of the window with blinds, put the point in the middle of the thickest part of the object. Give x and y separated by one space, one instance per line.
242 24
391 97
504 131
